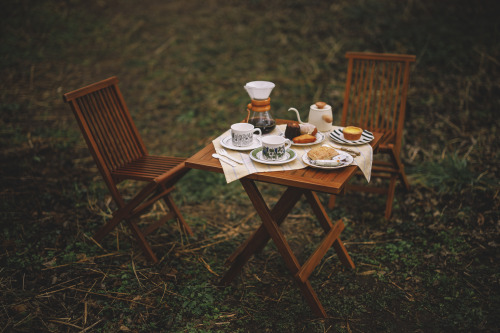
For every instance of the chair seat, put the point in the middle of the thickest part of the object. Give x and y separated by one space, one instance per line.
147 168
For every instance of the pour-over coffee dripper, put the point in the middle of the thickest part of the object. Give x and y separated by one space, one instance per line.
259 109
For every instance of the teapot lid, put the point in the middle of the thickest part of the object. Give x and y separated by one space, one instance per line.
321 106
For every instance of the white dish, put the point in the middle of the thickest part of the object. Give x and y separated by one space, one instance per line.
227 142
347 160
256 155
337 135
320 137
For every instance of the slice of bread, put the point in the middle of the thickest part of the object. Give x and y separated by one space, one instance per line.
322 153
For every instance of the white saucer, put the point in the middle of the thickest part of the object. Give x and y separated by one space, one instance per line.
348 159
227 142
256 155
320 137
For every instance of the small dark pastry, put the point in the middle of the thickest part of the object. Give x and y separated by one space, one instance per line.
292 130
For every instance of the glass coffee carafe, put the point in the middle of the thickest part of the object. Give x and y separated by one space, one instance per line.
259 110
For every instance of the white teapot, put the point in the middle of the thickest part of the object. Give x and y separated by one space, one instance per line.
320 115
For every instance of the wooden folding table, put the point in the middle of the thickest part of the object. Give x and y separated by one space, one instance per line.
300 182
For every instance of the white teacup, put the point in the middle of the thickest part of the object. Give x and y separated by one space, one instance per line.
274 147
242 134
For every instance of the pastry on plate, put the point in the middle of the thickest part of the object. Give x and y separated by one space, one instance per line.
305 138
292 130
322 153
352 133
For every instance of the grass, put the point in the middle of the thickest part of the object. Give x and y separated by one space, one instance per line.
182 67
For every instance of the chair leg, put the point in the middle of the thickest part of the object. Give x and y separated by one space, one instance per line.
390 197
173 208
130 210
106 229
402 177
146 248
401 169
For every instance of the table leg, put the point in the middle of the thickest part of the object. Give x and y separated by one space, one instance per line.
260 237
281 243
327 225
285 204
271 220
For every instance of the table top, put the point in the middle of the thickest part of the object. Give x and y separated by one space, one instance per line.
319 180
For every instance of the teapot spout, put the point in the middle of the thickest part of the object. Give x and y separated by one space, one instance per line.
297 112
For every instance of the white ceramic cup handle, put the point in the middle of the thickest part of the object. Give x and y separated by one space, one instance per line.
288 144
257 130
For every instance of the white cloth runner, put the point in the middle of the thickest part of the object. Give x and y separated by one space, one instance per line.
364 160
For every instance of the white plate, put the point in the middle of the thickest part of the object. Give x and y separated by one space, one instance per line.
227 142
338 136
256 155
348 159
320 137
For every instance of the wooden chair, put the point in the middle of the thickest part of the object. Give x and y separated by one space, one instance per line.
120 154
375 99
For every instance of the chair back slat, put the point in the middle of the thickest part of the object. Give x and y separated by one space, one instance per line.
107 126
376 89
90 112
124 127
113 130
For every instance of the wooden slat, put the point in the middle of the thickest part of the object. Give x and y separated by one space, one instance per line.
381 56
397 97
368 113
113 135
370 189
347 93
147 167
125 130
102 122
128 146
358 82
89 113
70 96
379 113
